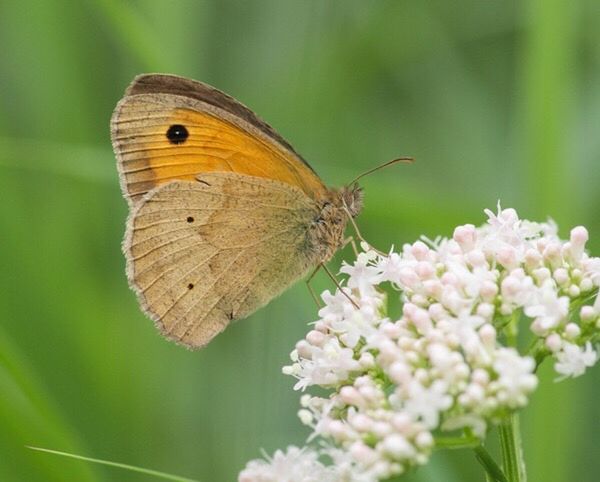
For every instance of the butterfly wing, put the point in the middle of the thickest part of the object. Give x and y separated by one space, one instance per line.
201 254
168 128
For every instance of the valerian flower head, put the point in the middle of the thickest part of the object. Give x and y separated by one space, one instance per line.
448 361
293 465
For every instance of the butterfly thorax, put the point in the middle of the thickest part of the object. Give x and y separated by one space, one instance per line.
326 233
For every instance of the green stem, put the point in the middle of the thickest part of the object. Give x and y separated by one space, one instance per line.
512 450
512 329
493 471
456 442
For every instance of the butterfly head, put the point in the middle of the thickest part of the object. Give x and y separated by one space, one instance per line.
352 199
326 233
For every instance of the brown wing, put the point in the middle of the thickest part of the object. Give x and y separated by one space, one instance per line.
175 85
201 254
168 128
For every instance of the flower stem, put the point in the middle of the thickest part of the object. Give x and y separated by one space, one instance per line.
492 470
512 450
456 442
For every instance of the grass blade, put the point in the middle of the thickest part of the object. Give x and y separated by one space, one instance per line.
132 468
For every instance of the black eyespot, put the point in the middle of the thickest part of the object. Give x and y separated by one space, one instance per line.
177 134
190 286
190 219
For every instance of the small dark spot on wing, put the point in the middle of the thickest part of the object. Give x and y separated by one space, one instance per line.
177 134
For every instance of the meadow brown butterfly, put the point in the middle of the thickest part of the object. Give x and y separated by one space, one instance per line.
224 213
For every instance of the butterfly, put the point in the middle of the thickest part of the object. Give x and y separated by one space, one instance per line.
224 213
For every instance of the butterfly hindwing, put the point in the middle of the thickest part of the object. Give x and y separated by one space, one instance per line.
203 253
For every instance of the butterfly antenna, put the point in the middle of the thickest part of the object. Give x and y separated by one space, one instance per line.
357 231
403 160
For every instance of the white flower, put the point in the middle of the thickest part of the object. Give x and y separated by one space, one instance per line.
294 465
390 380
328 365
362 274
358 464
390 267
474 422
426 403
573 360
549 309
515 377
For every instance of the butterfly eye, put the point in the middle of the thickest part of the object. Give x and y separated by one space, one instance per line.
190 219
177 134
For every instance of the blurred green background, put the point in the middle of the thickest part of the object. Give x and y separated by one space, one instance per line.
495 99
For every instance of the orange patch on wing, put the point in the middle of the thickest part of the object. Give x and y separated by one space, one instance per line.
149 158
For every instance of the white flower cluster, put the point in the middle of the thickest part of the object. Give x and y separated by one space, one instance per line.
449 361
294 465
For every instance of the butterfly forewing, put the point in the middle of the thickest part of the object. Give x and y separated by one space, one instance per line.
203 253
175 85
160 137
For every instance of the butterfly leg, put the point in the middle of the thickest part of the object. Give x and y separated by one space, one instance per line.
357 231
352 241
339 287
363 240
310 289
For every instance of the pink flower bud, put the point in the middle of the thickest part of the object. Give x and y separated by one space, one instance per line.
408 277
533 258
465 236
488 334
337 429
476 258
362 423
485 310
552 253
510 286
579 236
480 376
316 338
586 284
422 321
449 279
401 422
381 429
553 342
425 269
363 453
424 440
587 313
507 257
304 349
419 250
574 291
409 309
432 288
572 331
398 446
437 311
542 274
561 276
350 395
488 290
399 373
